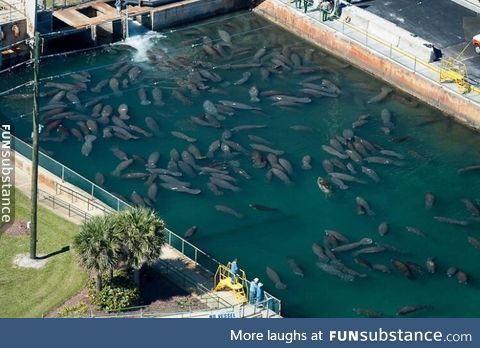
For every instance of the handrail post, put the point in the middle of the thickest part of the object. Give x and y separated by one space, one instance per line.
63 173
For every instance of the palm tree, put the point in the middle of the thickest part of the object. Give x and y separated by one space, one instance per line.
97 246
142 236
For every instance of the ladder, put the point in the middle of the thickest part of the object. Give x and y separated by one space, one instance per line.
239 285
452 70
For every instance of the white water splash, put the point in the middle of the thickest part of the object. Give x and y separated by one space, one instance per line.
141 39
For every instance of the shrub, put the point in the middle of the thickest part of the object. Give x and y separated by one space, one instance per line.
73 311
117 293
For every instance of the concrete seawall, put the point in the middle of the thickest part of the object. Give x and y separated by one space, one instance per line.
438 96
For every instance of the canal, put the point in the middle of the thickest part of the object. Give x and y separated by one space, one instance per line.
429 149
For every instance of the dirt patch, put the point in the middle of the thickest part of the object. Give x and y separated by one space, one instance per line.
158 295
17 228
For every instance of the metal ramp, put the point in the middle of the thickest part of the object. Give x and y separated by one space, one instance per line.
238 285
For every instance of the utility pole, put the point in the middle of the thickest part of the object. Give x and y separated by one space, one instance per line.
35 129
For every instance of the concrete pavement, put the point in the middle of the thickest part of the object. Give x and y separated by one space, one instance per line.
445 23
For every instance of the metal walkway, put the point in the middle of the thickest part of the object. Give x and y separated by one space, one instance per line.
101 11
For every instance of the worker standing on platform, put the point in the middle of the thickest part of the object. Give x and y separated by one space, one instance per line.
260 295
305 4
324 7
252 293
234 271
118 5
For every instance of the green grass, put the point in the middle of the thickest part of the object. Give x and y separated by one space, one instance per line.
34 292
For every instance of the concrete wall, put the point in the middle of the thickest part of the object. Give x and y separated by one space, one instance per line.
463 109
194 10
30 14
46 180
389 32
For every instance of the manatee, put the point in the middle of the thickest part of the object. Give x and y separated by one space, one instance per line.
474 241
471 207
416 231
385 91
320 252
402 268
451 271
262 207
228 210
137 199
264 148
157 96
392 154
334 271
99 179
450 221
88 144
411 309
142 95
114 86
346 177
295 267
275 278
152 192
190 232
122 166
462 277
370 313
212 187
337 235
429 200
383 228
339 183
354 245
99 86
183 136
153 159
152 125
259 140
330 150
431 265
307 162
380 268
468 169
253 93
246 75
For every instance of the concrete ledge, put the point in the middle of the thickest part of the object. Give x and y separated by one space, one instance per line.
389 32
438 96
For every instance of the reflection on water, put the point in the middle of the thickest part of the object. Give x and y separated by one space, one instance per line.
220 61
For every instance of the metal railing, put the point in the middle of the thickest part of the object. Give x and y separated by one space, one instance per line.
388 49
11 11
190 251
56 203
77 196
59 4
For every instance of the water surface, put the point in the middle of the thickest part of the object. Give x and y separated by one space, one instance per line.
268 238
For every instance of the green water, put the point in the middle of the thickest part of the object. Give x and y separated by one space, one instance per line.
268 238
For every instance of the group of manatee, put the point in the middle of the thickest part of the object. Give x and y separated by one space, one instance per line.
93 111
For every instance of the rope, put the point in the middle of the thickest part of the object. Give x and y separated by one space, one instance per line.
16 66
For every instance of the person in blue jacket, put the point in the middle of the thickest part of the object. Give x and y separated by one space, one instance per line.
260 295
234 271
252 293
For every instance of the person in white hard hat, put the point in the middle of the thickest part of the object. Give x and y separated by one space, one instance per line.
252 293
260 295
